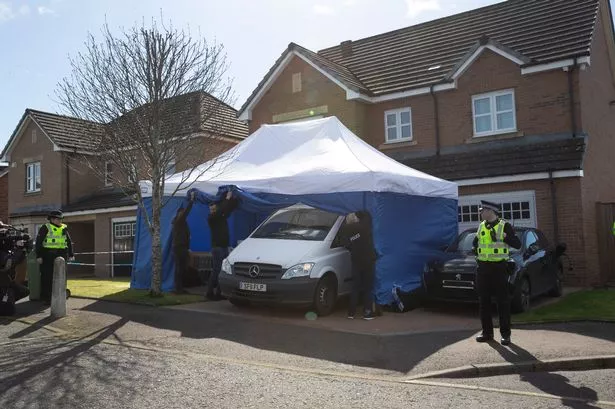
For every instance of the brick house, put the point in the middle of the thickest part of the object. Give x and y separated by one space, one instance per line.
4 193
45 174
514 101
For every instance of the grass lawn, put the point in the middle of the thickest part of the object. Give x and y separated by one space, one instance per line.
118 289
587 304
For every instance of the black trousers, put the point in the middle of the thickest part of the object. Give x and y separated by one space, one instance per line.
46 270
362 283
492 281
181 256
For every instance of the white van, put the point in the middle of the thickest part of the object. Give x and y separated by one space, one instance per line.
294 257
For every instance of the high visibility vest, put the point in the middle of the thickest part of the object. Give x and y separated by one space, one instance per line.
489 250
55 238
613 228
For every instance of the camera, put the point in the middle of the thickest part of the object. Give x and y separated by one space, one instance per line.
15 244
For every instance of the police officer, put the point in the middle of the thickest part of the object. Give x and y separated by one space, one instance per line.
491 243
52 241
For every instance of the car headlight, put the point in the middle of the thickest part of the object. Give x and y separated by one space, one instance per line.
226 267
300 270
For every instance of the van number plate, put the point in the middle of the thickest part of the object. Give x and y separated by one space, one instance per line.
253 287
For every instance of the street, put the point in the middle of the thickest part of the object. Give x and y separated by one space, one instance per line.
141 357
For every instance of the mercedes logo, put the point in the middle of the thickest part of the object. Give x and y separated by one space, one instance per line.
458 277
254 271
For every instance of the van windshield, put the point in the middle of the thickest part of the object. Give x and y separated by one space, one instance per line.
297 224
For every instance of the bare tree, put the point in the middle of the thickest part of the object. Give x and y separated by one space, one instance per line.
151 98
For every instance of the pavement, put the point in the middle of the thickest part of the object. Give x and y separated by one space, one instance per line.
424 343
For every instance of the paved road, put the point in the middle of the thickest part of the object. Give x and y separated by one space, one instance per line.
38 371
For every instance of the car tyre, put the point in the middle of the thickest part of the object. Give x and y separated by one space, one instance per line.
325 296
238 302
558 287
521 298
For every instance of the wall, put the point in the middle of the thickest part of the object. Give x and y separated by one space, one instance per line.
51 170
316 91
597 95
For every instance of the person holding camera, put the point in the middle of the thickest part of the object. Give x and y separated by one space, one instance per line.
52 241
493 238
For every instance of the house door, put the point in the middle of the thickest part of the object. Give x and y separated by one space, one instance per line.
123 230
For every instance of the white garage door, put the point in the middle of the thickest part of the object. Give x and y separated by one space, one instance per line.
519 208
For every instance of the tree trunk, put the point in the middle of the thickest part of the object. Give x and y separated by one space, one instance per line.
156 285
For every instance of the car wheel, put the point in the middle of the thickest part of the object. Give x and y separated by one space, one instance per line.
558 287
238 302
325 296
521 298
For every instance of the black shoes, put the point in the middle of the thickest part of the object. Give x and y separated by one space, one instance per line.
484 338
505 341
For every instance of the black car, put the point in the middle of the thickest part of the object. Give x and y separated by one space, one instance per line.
535 269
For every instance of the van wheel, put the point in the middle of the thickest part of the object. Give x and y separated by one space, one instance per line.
326 295
237 302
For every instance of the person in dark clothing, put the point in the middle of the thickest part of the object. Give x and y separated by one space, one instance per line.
181 243
493 238
52 241
359 241
220 240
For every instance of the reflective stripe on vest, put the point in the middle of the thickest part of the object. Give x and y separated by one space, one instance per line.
55 237
489 250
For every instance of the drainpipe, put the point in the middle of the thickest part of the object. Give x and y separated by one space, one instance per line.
436 118
573 118
66 165
554 207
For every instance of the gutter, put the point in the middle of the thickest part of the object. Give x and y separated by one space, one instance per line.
436 118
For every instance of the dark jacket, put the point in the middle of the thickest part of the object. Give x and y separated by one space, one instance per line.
181 231
358 239
40 237
218 224
511 237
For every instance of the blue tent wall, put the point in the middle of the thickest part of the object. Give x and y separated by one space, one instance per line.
408 230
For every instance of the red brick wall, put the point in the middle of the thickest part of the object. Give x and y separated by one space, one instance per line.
598 121
568 199
4 198
317 90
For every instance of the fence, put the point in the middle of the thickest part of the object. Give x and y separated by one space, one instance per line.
605 216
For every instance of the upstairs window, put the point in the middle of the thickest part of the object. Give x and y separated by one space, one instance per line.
398 125
494 113
33 177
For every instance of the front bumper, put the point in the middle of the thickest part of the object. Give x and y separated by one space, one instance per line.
296 291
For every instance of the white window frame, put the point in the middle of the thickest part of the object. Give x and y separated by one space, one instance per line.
397 125
108 175
501 198
493 113
31 179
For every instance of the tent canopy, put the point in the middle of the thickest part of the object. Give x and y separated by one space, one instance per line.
311 157
322 164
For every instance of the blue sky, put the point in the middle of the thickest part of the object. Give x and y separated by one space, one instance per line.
36 36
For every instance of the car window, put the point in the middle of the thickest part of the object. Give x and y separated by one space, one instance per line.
297 224
530 238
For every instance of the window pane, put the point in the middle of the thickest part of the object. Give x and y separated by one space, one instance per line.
526 214
405 131
504 102
525 205
482 106
506 121
466 218
483 124
404 117
391 134
391 119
